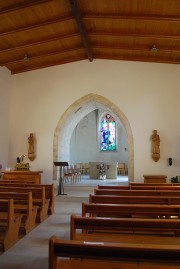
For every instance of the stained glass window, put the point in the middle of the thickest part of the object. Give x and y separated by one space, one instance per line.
108 133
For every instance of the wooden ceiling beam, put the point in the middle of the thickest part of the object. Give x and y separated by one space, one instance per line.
77 16
131 17
71 35
142 48
57 52
22 5
37 25
39 66
40 42
158 36
140 59
40 56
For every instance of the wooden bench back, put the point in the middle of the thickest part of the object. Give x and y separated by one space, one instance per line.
38 197
26 180
110 199
141 187
131 225
49 191
16 183
136 192
23 204
131 210
21 197
129 255
37 193
166 188
153 184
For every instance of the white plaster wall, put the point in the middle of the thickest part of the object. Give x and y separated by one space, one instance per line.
5 91
147 93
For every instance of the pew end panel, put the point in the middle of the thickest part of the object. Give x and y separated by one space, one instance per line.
9 223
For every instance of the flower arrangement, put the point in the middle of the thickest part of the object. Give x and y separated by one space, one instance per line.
102 172
22 158
20 164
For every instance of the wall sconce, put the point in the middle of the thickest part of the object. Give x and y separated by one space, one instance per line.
170 161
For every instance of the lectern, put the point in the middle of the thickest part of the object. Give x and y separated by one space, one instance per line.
61 185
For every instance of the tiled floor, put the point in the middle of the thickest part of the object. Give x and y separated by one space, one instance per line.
31 252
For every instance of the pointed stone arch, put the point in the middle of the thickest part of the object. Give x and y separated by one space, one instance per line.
74 114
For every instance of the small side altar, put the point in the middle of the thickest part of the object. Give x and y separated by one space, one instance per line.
155 178
24 175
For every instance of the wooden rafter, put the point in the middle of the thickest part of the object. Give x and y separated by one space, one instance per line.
81 28
131 17
22 5
37 25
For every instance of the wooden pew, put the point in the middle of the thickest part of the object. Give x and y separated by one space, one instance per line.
27 180
72 254
114 187
23 204
137 226
172 188
112 199
137 192
49 191
131 210
136 187
38 197
153 184
9 224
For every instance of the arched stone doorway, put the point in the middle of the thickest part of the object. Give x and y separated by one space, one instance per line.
73 115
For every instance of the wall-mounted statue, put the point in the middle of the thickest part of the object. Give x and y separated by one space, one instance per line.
155 146
31 150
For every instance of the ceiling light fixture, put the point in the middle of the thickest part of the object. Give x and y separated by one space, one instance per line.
153 48
26 58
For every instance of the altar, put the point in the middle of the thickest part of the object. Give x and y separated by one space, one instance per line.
110 170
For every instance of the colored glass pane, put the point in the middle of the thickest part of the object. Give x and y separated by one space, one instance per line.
108 133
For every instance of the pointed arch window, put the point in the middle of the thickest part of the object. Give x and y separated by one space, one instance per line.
108 133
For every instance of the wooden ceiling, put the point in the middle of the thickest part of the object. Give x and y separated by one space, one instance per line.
40 33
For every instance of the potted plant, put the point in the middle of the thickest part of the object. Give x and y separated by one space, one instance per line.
175 179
